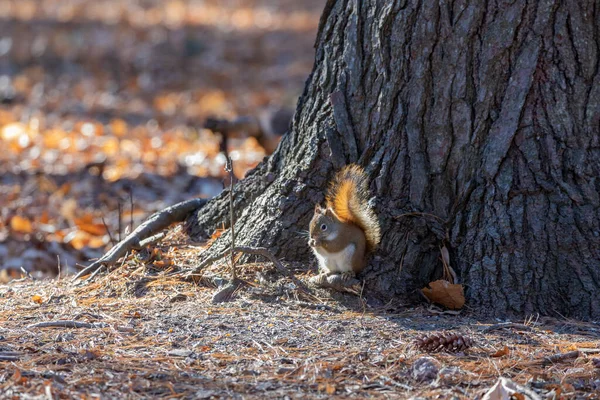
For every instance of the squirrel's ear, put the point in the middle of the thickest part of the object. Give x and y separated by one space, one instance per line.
329 212
318 209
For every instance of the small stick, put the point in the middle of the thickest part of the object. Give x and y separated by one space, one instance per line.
110 236
556 358
27 274
67 324
229 168
96 272
131 208
10 356
506 325
120 222
152 239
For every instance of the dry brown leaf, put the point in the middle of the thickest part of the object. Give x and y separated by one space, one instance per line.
17 376
45 217
79 239
92 229
98 241
501 352
36 298
330 389
446 294
21 224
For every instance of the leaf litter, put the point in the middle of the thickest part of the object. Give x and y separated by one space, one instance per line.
143 330
80 135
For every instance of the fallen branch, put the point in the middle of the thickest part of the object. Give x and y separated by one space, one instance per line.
155 223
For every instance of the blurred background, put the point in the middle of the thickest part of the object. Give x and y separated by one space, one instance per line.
113 109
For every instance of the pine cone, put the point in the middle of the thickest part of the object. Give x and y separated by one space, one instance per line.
451 342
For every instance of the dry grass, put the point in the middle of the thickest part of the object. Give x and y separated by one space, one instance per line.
155 335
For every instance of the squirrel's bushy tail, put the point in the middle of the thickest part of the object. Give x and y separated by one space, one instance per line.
348 197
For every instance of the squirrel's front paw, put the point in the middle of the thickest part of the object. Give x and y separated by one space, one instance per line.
347 277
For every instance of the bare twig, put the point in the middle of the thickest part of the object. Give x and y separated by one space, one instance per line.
95 273
556 358
229 168
155 223
110 236
506 325
153 239
119 218
27 274
130 208
10 355
67 324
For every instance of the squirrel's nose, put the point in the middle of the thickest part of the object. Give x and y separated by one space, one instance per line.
311 242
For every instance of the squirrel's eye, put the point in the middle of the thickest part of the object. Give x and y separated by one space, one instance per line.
323 227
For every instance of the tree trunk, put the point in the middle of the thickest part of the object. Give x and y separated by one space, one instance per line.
478 123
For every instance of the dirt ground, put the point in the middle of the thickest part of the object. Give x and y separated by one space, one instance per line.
149 333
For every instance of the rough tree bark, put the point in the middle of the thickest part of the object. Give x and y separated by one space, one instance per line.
483 114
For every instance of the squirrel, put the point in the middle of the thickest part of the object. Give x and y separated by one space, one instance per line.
346 229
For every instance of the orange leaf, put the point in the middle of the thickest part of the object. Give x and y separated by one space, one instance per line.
446 294
21 224
79 239
501 352
92 229
37 299
17 376
330 389
97 242
119 127
216 234
44 218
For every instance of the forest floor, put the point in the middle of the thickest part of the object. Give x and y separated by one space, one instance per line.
102 108
147 332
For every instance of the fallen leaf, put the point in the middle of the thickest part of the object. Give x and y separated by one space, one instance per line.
505 389
21 224
92 229
501 352
330 389
37 299
446 294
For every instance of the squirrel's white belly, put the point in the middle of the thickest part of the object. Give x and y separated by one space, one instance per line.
336 262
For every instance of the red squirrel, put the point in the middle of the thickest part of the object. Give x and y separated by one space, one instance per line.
344 231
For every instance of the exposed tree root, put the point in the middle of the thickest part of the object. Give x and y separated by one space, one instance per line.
145 234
